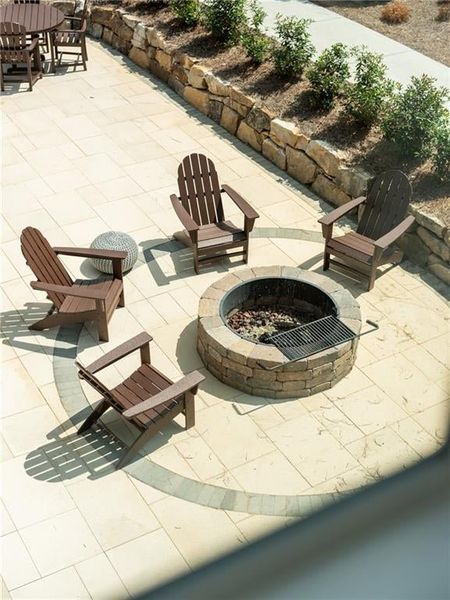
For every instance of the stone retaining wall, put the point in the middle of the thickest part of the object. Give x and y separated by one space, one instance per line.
312 162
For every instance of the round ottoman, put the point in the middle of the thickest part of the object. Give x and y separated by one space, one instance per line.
114 240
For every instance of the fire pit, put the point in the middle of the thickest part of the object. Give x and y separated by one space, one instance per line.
239 314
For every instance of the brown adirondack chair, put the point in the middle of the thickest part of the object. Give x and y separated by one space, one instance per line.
147 398
15 50
384 220
75 301
200 209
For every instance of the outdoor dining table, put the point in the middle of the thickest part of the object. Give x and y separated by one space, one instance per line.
36 18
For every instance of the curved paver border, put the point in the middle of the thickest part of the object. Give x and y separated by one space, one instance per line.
163 479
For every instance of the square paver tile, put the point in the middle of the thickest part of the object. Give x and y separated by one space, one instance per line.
270 474
19 392
190 527
370 409
17 566
60 542
28 430
63 585
219 424
147 561
114 510
101 579
383 453
405 384
312 449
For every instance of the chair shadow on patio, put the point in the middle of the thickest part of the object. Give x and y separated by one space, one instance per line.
181 256
95 453
15 330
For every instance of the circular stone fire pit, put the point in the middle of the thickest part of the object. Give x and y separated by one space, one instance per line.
239 312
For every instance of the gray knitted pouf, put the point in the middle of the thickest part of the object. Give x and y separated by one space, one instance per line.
114 240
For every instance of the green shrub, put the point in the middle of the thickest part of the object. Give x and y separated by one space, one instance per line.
417 114
329 74
293 50
226 19
441 152
186 11
254 39
367 98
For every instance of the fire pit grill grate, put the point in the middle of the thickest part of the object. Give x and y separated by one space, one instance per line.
305 340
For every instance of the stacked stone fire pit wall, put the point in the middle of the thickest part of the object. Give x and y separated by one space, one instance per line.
238 362
312 162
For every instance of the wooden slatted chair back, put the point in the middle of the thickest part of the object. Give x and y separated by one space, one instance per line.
13 42
199 188
44 262
386 205
27 1
97 385
80 9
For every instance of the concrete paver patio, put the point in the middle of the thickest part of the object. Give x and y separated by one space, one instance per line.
98 150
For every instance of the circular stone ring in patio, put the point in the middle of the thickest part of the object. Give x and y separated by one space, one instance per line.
114 240
245 363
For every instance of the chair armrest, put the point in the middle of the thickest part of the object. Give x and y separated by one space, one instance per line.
92 253
66 290
242 204
71 29
339 212
189 383
187 221
135 343
388 238
32 46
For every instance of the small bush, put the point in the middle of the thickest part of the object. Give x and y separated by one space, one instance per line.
254 39
329 74
186 11
293 50
443 12
226 19
367 98
396 12
417 115
441 153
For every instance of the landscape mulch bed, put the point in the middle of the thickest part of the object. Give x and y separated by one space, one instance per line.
291 100
422 32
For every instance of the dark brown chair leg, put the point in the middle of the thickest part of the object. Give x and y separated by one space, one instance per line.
94 416
326 261
196 261
84 53
189 409
122 299
102 328
30 76
2 83
372 276
246 248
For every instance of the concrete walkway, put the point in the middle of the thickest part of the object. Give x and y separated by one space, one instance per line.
329 27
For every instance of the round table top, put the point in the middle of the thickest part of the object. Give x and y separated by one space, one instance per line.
34 17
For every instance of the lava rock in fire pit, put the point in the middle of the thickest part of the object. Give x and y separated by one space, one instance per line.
260 323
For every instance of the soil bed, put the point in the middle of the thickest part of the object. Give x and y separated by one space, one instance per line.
291 100
422 32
